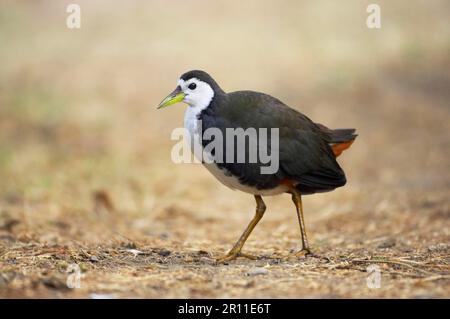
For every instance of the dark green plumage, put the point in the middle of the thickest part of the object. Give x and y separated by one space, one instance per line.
305 154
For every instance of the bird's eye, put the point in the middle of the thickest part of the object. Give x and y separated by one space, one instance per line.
192 86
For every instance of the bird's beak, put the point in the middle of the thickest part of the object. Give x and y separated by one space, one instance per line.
176 96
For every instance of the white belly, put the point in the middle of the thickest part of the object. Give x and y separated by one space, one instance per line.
233 182
190 123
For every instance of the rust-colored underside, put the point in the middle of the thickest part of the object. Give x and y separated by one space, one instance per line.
339 148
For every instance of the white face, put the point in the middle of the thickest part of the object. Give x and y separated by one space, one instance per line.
198 93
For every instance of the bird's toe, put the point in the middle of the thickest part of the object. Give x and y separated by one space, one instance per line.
302 253
234 255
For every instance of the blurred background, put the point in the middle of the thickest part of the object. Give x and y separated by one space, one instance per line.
85 155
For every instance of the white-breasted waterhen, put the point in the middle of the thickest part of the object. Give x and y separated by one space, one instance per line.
307 151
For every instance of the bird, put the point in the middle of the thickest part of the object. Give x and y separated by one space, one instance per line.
307 151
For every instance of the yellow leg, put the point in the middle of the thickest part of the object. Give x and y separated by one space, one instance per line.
297 199
236 250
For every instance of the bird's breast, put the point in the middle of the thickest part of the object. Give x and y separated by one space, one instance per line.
193 125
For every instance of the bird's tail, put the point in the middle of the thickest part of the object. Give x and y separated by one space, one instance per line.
342 139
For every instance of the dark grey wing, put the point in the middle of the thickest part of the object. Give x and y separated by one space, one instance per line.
308 159
304 152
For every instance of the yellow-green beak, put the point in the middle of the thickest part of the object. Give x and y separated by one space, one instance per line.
176 96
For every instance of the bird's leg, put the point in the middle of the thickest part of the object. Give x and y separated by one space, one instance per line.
236 250
297 199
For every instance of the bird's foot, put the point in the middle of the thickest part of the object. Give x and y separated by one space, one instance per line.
234 255
302 253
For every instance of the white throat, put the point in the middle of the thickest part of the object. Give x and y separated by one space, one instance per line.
198 100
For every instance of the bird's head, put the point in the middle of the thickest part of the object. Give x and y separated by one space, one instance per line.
196 88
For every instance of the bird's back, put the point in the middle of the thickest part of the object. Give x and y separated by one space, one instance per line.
305 154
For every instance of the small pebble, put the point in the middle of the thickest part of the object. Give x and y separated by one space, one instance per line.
256 271
135 252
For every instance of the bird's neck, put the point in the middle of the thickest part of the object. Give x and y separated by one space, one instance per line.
194 111
193 114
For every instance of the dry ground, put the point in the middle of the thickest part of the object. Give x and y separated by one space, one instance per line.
85 169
